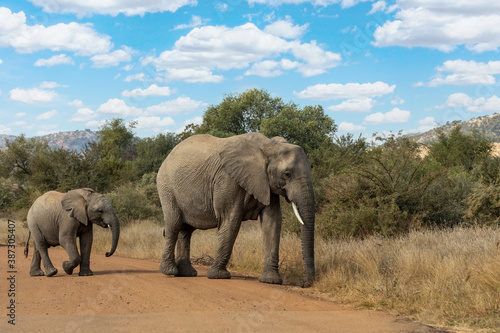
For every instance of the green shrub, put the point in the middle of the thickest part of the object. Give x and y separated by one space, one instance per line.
132 201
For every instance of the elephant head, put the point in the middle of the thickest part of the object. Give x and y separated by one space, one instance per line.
263 166
86 206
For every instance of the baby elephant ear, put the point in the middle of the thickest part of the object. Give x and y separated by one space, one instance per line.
246 163
74 203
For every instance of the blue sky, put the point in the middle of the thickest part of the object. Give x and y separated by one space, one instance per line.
374 66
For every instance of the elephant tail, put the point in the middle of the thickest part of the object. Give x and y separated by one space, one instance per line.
27 248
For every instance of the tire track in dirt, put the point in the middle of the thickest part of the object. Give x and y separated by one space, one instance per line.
131 295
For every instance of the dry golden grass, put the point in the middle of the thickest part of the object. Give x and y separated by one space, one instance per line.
442 278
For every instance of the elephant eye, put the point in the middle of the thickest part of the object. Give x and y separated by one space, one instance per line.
287 174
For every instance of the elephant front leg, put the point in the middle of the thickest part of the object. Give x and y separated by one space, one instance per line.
69 244
270 220
85 248
226 238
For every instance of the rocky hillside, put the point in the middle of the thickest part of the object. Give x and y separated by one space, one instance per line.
488 126
75 140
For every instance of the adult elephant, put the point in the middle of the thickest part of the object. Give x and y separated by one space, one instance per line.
208 182
58 218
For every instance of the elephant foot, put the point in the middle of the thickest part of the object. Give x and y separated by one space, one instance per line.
168 269
271 277
51 271
37 272
85 272
217 273
185 268
68 268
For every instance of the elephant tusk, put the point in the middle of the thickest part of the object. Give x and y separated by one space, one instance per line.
296 211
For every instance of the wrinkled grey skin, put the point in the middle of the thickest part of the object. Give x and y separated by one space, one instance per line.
58 218
208 182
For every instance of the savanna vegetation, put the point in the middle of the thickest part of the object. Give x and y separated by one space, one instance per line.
400 227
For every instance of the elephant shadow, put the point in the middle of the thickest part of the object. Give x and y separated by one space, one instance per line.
125 271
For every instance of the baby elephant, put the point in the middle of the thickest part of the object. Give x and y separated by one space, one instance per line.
58 218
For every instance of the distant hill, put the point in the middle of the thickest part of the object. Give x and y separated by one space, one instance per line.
74 140
488 126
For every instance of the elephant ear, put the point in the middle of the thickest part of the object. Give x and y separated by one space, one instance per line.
76 204
246 163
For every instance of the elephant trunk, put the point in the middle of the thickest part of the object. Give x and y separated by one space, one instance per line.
115 230
306 211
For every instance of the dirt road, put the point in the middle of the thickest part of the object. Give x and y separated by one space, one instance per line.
130 295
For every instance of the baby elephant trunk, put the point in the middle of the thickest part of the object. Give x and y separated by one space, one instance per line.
115 230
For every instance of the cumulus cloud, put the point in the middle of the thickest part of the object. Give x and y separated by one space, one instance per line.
126 7
343 91
196 21
466 73
196 55
154 123
322 3
60 59
47 115
443 25
350 127
481 104
286 29
116 106
40 94
113 58
75 37
84 114
152 90
76 103
396 115
354 105
179 105
4 129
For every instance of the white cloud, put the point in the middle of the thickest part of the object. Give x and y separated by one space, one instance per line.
286 29
192 75
179 105
113 8
60 59
33 95
135 77
397 101
20 114
378 6
115 106
152 90
154 123
354 105
196 21
481 104
394 116
84 114
4 129
195 55
75 37
348 90
266 68
1 61
322 3
47 115
76 103
350 127
443 25
113 58
466 73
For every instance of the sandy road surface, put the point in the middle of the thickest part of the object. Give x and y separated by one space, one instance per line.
130 295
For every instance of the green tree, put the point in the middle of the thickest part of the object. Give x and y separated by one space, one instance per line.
152 151
460 150
241 113
116 140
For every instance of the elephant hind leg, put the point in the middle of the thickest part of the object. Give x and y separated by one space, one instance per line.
173 225
41 247
35 269
183 260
